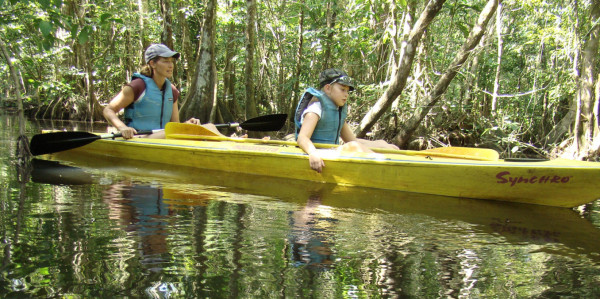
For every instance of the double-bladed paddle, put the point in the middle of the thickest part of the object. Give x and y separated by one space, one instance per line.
48 143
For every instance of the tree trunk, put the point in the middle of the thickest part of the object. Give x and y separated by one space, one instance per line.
142 42
439 89
499 60
188 46
251 110
229 75
471 82
15 78
298 69
199 101
167 34
407 55
331 15
588 124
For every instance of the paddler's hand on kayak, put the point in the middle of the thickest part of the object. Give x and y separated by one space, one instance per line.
316 162
194 121
127 132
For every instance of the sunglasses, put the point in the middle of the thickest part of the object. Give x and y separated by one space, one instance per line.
345 80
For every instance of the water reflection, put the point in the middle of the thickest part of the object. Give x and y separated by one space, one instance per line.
141 211
55 173
310 235
191 232
516 223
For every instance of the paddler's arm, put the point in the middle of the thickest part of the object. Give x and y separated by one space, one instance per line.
378 144
348 136
308 127
175 116
118 103
365 145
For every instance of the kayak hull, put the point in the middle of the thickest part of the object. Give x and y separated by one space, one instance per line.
561 183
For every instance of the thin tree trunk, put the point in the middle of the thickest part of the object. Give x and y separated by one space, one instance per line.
407 55
200 100
229 74
298 69
15 78
499 60
251 110
187 50
142 40
471 82
439 89
167 34
331 15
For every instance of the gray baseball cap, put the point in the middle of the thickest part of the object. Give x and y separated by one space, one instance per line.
330 76
159 50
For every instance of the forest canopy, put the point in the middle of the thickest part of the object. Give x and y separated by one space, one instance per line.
517 76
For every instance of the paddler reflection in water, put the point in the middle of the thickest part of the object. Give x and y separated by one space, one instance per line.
140 209
150 99
308 239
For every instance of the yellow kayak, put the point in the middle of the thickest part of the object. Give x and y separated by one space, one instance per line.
561 183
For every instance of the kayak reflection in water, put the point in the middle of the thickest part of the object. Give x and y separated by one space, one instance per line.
141 209
308 239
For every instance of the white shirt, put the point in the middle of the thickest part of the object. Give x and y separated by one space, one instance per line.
314 108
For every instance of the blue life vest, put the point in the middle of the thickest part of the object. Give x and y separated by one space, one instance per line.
153 109
332 120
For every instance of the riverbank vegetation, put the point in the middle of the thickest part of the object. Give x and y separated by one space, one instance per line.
517 76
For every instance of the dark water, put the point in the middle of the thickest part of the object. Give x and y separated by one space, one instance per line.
92 227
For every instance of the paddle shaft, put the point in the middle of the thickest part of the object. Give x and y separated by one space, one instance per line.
271 122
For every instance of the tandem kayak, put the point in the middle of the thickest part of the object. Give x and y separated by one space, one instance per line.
560 182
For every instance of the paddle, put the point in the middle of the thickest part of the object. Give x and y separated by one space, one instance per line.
61 141
271 122
47 143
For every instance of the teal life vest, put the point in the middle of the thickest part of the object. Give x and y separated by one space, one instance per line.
332 119
154 107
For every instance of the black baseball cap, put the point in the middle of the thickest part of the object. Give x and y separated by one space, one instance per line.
330 76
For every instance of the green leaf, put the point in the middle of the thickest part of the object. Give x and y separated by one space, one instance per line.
104 17
45 28
44 3
463 29
84 35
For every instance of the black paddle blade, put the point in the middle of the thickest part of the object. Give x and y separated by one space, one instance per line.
59 141
271 122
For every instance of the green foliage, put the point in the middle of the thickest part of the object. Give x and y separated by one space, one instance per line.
51 40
